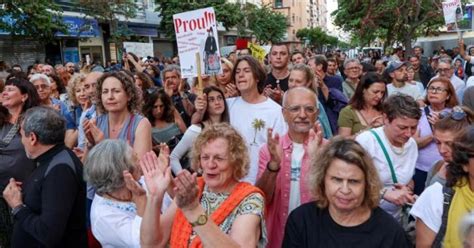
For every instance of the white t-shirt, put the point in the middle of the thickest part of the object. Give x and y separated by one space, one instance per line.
408 89
242 114
115 224
296 159
183 147
429 207
404 164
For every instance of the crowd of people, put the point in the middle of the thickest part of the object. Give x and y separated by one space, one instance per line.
298 150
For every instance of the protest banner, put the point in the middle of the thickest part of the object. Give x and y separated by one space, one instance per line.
258 52
139 48
456 17
196 32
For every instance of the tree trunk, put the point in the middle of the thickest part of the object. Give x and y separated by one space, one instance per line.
407 44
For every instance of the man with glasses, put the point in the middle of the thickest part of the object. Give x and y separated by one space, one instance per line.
353 71
284 161
445 69
398 73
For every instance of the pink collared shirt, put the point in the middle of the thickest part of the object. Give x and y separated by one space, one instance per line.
277 209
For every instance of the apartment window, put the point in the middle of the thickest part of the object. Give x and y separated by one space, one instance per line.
278 3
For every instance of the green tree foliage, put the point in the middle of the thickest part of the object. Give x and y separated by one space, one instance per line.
38 19
110 12
389 20
266 25
317 37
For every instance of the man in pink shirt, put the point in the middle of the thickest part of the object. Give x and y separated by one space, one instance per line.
284 161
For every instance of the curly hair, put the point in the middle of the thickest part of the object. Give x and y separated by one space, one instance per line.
147 82
73 83
238 152
168 112
463 150
351 152
133 105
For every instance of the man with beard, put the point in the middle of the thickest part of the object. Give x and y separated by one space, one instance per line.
398 73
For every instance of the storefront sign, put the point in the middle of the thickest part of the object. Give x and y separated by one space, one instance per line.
79 27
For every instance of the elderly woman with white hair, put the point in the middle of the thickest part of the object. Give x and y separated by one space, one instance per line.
116 210
42 84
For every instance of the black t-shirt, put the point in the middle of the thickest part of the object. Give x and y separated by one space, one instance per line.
273 82
310 226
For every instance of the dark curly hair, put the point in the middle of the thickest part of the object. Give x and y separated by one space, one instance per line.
133 105
463 150
168 112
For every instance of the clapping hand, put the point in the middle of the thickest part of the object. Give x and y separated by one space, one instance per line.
93 134
315 139
274 147
156 171
186 190
12 193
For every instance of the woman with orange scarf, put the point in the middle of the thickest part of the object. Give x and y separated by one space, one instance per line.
440 209
215 210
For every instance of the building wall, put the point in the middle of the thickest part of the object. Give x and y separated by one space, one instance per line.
22 52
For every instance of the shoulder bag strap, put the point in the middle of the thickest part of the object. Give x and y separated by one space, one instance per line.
447 198
129 129
13 131
387 157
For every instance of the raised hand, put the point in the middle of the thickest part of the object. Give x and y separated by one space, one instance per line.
156 171
231 90
93 134
201 103
315 139
186 190
274 147
168 89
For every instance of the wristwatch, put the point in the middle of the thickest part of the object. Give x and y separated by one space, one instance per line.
17 209
201 220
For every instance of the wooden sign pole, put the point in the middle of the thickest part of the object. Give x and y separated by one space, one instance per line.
198 63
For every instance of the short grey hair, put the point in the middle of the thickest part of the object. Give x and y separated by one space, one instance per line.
46 123
40 76
301 89
105 164
170 68
347 61
445 60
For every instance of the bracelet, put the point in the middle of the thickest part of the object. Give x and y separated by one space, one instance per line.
271 170
382 193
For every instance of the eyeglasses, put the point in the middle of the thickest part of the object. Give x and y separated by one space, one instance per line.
456 114
41 86
436 89
307 109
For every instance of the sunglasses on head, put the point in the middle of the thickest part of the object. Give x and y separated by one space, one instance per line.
456 114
